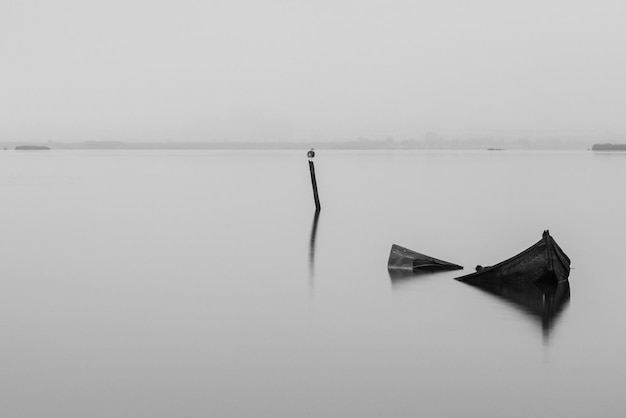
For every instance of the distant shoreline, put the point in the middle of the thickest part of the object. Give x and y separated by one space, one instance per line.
361 144
32 147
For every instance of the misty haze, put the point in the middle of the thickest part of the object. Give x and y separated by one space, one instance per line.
201 201
308 71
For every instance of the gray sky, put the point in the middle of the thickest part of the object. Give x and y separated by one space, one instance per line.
303 70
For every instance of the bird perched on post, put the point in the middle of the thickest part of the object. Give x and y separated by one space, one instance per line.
310 154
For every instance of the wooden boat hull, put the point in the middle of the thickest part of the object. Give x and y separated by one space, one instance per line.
544 261
401 258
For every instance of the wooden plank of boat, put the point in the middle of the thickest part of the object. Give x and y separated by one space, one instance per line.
544 261
401 258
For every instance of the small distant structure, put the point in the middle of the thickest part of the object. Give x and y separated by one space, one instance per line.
608 147
31 147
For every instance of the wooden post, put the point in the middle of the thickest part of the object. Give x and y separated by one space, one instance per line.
314 183
311 154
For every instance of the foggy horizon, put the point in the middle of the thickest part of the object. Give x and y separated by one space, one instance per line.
323 71
203 202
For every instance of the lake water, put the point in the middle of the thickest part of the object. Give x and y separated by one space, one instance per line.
197 284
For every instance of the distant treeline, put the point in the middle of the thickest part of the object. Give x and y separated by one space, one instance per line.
31 147
609 147
433 141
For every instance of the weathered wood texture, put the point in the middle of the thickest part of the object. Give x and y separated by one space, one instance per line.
405 259
544 261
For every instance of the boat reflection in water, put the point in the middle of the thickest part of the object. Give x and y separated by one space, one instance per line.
398 276
543 301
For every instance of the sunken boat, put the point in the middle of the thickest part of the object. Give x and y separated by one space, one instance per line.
401 258
543 262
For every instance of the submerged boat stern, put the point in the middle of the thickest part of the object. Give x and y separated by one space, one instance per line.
401 258
559 262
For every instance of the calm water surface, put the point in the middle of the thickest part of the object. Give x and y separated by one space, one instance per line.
161 284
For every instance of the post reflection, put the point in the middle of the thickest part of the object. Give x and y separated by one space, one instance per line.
543 302
312 246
